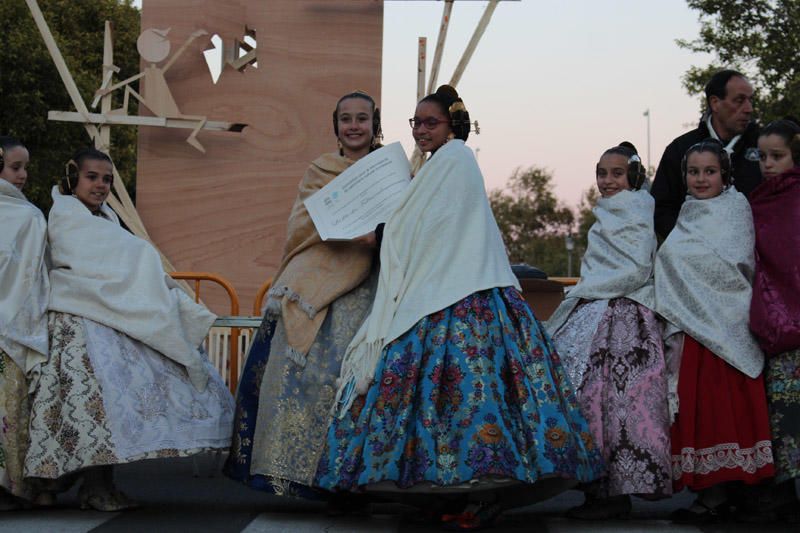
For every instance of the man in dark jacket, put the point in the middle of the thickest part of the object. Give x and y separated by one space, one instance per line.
729 119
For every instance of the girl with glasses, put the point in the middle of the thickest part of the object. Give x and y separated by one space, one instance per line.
451 387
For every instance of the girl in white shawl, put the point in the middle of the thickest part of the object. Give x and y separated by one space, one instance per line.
703 282
610 342
451 385
125 379
23 319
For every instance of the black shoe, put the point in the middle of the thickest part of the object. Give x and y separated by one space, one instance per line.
708 515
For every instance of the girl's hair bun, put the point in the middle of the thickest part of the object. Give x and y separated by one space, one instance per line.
448 91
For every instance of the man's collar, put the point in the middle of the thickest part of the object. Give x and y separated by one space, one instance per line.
729 146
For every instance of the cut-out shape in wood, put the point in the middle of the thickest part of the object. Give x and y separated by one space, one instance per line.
154 47
245 52
213 56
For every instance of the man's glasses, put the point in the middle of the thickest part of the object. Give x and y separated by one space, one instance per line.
429 123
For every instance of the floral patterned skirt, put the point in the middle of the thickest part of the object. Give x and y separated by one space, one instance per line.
104 399
623 395
470 393
721 432
783 393
283 408
14 413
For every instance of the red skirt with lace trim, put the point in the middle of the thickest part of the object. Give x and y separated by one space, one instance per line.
721 432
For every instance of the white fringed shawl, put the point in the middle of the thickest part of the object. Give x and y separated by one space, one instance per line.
704 274
441 245
619 259
103 273
24 287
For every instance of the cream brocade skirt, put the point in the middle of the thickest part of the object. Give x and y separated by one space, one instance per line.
104 398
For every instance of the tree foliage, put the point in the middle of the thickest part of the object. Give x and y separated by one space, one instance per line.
760 38
534 223
31 86
585 219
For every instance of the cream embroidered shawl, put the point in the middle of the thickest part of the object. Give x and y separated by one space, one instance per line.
24 286
103 273
704 274
441 245
314 273
619 259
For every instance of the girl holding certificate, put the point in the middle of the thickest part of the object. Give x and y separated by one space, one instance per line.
451 386
23 314
320 296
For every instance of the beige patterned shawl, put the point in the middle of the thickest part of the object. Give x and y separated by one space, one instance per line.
314 273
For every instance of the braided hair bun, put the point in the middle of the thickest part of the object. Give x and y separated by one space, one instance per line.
453 108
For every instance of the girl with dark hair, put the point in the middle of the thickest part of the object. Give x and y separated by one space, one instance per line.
24 291
126 378
318 299
775 308
703 282
610 342
451 386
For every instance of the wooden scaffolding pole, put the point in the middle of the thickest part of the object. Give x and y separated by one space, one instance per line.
122 203
473 42
422 50
440 40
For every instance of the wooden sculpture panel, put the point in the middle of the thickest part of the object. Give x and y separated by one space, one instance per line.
225 210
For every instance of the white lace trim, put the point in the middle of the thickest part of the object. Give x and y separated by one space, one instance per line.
728 455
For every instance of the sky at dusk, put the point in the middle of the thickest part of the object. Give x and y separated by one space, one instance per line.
552 83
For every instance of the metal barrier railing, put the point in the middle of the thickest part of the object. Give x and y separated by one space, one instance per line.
567 282
233 350
258 303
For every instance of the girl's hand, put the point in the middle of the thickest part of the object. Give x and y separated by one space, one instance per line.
368 239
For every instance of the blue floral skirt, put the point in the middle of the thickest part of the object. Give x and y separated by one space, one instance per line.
475 391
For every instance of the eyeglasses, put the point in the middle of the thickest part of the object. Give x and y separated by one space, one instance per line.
429 123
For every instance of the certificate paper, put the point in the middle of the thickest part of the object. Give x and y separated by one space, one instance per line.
362 196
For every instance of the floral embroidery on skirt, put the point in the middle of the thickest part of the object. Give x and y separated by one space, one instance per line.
471 392
70 427
783 393
282 408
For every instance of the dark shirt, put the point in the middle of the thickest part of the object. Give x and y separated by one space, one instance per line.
669 189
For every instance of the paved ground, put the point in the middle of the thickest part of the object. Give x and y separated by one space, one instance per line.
175 501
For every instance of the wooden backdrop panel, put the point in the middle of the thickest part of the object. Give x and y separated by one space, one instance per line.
225 211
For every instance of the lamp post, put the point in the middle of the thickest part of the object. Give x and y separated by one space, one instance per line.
647 114
570 244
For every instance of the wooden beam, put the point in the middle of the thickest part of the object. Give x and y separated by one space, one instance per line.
124 206
103 142
422 45
473 42
437 55
136 120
